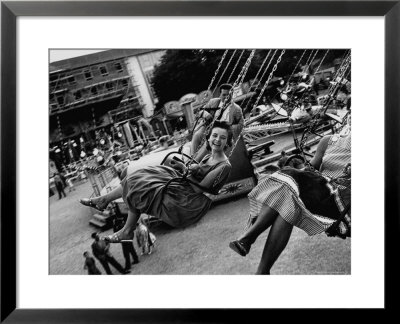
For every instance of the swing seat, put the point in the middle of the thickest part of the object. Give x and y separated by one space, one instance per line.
266 147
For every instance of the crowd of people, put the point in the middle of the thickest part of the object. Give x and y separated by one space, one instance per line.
314 197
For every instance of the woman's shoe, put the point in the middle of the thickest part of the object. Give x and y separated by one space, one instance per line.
89 203
239 248
115 238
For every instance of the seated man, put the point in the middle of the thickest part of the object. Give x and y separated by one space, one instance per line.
232 114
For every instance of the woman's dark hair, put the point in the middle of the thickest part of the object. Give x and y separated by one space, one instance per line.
223 125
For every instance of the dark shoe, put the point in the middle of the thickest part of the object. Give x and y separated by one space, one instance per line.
126 271
89 203
135 262
239 248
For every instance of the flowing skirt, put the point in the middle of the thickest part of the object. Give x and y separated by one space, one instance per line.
305 199
178 206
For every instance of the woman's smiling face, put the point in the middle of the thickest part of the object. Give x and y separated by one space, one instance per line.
218 139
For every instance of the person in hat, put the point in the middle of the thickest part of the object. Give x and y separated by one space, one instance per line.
90 264
128 249
101 251
223 109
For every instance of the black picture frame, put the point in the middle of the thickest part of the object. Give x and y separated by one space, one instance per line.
10 10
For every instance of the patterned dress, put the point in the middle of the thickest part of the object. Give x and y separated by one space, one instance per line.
180 205
309 200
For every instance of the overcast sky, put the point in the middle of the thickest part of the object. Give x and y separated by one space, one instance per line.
58 55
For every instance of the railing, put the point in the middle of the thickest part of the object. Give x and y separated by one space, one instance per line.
100 179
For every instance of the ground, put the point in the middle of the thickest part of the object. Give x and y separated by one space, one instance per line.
199 249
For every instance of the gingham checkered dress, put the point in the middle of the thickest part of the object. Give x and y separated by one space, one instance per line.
322 201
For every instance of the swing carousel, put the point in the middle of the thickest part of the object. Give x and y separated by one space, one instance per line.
293 121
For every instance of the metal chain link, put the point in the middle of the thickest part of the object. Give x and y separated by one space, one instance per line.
263 89
209 88
269 77
223 73
316 71
262 76
217 70
341 72
227 103
255 78
234 68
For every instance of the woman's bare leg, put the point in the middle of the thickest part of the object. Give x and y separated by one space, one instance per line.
264 220
277 240
104 200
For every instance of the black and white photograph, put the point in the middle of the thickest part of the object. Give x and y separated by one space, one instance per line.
200 161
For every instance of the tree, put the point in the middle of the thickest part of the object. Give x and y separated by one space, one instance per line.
184 71
191 71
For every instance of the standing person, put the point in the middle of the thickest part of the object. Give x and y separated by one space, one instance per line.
306 199
127 247
179 203
70 185
101 250
59 186
90 264
232 114
144 238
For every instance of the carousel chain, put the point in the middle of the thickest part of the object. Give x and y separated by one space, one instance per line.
313 58
262 76
227 103
338 76
309 59
294 70
255 78
269 77
223 73
315 118
320 63
243 72
234 68
316 71
200 113
217 70
264 87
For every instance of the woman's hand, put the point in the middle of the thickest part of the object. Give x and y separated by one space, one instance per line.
193 167
178 165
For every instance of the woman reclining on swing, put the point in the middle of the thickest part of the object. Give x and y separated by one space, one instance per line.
302 198
182 203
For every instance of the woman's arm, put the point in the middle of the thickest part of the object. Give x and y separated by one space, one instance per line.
316 161
221 173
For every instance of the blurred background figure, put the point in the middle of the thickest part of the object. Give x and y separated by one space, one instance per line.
90 264
127 247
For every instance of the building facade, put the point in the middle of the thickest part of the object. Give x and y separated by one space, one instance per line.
88 94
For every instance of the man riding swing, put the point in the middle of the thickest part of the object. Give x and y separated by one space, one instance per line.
232 114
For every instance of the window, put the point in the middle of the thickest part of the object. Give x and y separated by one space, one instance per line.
118 67
93 90
103 70
88 75
109 86
124 82
78 95
60 100
71 80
